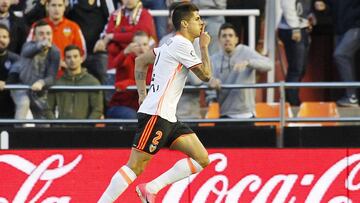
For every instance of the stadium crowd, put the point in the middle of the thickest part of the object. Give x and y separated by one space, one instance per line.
93 42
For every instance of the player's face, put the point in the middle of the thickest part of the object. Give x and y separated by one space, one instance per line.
56 9
43 33
228 40
195 24
4 39
142 44
73 59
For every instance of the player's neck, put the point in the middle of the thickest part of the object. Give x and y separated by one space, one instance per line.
186 35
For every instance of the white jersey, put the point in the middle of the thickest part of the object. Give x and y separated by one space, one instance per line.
172 63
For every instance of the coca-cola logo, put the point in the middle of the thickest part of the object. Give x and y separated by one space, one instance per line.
36 173
235 175
254 184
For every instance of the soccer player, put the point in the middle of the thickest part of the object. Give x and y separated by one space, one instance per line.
157 123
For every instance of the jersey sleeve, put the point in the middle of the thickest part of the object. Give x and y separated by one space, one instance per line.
186 55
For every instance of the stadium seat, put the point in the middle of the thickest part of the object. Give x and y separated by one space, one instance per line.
318 109
271 110
213 112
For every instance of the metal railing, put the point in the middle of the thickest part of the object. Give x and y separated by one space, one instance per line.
280 85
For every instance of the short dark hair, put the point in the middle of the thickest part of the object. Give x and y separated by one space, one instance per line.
227 26
40 23
172 6
183 11
4 27
71 47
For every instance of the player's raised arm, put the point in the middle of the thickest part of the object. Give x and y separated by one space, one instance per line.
142 63
203 71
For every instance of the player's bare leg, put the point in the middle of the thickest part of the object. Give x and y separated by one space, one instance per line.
191 146
125 176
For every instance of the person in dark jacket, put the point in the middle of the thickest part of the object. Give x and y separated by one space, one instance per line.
81 104
7 58
16 25
346 15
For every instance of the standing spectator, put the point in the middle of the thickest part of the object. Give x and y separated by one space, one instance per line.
79 104
346 15
7 58
235 64
16 25
91 16
160 21
34 10
37 67
65 31
294 31
124 103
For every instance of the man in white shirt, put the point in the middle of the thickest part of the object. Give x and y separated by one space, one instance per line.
158 126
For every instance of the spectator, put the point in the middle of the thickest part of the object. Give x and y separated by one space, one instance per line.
123 24
37 67
34 10
294 31
160 21
80 104
91 16
7 58
16 25
347 28
235 64
65 31
124 104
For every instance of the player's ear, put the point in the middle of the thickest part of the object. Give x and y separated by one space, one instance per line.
184 23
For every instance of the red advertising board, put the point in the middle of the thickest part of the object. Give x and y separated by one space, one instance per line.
234 175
